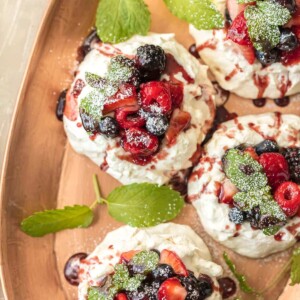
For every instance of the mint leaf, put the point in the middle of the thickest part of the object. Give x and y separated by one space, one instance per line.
144 204
147 260
244 286
295 268
50 221
95 80
118 20
95 294
203 14
271 230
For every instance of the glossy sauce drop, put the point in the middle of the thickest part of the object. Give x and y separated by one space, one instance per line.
193 51
72 268
86 46
227 287
282 102
60 106
259 102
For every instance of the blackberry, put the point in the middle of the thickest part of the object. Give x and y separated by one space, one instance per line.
109 127
151 61
163 272
205 286
88 122
292 155
236 215
157 125
268 58
266 146
288 40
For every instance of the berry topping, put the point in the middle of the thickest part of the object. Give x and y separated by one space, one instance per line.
156 97
127 256
238 31
151 61
268 58
144 262
287 196
266 146
88 122
176 90
171 289
125 96
123 70
163 272
292 156
121 296
205 286
138 141
109 127
236 216
60 106
290 58
77 88
172 259
288 40
72 266
157 124
227 287
180 120
275 167
129 117
228 190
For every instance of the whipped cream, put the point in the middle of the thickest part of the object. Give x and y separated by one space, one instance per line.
234 73
208 176
178 238
198 101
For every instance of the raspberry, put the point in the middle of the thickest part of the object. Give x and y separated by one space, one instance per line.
238 31
176 91
275 167
156 97
292 155
138 141
129 117
287 196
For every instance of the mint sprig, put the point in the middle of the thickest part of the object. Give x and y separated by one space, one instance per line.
295 267
203 14
138 205
119 20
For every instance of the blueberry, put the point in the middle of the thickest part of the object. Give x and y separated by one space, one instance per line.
288 40
289 4
157 125
266 146
109 127
236 215
205 286
88 122
268 58
163 272
151 61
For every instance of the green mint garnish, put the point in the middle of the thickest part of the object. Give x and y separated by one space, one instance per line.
138 205
94 293
203 14
50 221
263 21
95 81
295 267
271 230
147 260
244 171
119 20
244 1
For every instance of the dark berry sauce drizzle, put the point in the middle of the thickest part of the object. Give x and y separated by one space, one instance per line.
227 287
71 270
60 106
86 46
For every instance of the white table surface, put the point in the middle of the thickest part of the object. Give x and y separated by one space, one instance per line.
19 23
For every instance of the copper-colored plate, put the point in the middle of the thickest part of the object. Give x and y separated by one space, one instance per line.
42 171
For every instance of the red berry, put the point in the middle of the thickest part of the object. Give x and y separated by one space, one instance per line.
78 87
176 90
248 52
238 31
228 190
275 167
287 196
127 256
138 141
290 58
171 289
156 97
128 117
121 296
125 96
171 258
251 151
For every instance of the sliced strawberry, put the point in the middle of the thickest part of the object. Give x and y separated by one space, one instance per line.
228 190
290 58
125 96
295 21
121 296
171 258
171 289
238 31
249 53
251 151
127 256
275 167
180 120
287 196
176 90
234 8
128 117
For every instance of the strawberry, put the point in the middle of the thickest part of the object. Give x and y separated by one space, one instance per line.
179 121
139 142
238 31
128 117
287 196
295 18
228 190
156 97
176 90
234 8
125 96
248 52
251 151
171 258
171 289
296 30
275 167
127 256
121 296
